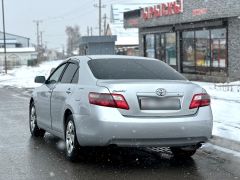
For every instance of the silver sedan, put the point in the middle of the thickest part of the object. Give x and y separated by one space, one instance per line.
123 101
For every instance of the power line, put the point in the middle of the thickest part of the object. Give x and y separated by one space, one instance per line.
68 13
83 12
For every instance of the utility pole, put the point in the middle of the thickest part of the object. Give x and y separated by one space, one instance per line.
105 24
100 17
4 38
63 51
38 36
88 31
100 6
46 43
91 30
41 38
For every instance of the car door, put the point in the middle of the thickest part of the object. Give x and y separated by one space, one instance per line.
62 92
44 95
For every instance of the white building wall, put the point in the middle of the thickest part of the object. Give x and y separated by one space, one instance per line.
17 58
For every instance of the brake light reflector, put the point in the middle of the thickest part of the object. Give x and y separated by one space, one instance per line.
200 100
108 100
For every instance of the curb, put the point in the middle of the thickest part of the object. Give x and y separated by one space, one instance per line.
225 143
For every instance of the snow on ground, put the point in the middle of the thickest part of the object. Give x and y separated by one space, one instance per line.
225 104
224 93
23 77
226 110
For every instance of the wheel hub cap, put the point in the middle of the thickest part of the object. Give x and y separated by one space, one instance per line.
33 119
70 136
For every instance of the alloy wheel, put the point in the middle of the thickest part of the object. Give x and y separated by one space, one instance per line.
70 137
33 119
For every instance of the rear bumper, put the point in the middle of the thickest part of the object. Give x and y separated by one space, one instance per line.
131 131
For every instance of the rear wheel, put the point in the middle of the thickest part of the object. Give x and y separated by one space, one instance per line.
183 152
34 129
72 145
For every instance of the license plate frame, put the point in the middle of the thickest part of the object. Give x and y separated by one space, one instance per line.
153 103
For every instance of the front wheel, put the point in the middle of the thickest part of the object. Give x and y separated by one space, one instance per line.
183 152
72 145
34 129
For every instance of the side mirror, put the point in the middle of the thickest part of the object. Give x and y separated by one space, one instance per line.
40 79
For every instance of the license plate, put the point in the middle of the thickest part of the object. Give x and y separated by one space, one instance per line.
147 103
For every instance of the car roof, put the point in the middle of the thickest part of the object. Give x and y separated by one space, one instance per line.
101 57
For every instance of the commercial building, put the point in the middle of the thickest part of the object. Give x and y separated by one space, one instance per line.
200 39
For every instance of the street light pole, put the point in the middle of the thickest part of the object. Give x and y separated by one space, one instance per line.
4 37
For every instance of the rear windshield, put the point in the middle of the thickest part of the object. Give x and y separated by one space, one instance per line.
133 69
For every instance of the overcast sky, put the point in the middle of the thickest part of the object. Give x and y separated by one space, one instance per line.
56 15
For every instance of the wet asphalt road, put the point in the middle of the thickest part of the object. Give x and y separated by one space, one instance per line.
24 157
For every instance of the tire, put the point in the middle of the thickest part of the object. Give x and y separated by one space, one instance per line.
72 145
34 129
183 152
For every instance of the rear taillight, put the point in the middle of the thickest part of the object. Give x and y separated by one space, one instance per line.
108 100
200 100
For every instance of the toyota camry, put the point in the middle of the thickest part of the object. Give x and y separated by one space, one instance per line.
122 101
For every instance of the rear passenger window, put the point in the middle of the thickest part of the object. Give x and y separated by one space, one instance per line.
75 77
69 73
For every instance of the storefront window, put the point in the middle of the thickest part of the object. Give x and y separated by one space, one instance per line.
188 47
150 46
219 54
171 54
204 51
203 55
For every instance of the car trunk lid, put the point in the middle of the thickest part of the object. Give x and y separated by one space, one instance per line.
154 98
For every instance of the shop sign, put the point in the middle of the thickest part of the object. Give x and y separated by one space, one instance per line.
198 12
133 22
163 9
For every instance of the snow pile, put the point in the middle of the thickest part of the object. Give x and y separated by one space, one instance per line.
23 77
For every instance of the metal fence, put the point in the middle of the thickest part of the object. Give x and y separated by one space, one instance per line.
228 87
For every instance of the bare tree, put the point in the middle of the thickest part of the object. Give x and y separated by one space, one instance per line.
73 38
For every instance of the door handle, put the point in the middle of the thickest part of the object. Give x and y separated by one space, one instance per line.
69 91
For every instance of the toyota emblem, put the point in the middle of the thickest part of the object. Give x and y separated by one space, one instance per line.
161 92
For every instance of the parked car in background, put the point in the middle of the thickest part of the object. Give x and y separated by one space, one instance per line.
122 101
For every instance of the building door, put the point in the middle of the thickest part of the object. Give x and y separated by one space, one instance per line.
160 47
166 48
